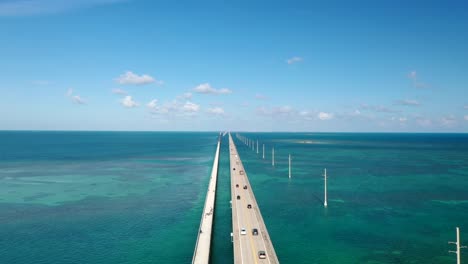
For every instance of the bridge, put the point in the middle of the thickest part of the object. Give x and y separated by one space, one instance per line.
251 241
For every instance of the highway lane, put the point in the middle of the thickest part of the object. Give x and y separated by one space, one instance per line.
248 245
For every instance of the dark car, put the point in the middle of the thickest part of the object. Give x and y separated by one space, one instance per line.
249 206
245 187
238 197
233 168
237 185
255 232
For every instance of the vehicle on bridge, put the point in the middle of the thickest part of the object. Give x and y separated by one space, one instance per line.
238 197
249 206
243 231
245 187
255 232
261 254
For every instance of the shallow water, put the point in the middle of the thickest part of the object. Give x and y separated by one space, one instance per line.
136 197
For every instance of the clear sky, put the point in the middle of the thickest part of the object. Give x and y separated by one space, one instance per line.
234 65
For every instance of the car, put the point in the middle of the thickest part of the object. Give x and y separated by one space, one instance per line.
261 254
238 197
237 185
255 232
241 172
245 187
249 206
243 232
233 169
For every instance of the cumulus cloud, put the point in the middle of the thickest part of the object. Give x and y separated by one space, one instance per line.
216 111
152 104
205 88
448 120
173 108
466 107
294 60
408 102
466 118
78 100
75 98
132 78
190 107
283 110
261 97
325 116
279 111
377 108
119 91
128 102
307 115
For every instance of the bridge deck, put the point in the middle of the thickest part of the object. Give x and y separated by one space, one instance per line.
248 245
201 254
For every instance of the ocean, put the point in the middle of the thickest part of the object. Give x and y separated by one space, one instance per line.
137 197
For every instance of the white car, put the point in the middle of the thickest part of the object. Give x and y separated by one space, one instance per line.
243 231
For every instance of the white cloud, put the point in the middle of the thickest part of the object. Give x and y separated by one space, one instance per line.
216 111
283 110
424 122
466 118
132 78
205 88
190 107
78 100
294 60
128 102
173 108
152 104
377 108
408 102
448 120
403 119
119 91
466 107
307 115
74 98
325 116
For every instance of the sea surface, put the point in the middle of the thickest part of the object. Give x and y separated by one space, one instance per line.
137 197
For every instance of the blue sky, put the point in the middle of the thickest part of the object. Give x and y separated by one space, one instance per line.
242 65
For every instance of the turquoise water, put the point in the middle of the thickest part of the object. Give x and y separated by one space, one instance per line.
137 197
